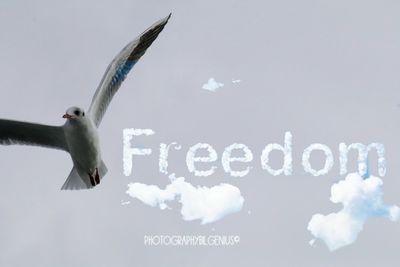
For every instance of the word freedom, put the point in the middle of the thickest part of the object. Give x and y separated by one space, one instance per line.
247 156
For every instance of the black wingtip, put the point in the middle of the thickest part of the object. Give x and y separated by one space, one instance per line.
160 23
165 20
147 38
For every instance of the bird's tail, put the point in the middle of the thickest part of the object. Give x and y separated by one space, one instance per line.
74 181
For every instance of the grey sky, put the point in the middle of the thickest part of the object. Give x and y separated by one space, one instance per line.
325 70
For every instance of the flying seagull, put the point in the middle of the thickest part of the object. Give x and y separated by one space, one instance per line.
79 135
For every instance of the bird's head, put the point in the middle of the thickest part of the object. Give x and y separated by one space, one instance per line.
74 113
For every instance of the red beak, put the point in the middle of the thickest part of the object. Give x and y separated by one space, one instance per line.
67 116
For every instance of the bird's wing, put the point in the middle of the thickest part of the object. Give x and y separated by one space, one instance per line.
24 133
120 67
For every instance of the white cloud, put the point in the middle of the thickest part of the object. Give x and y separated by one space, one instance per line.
125 202
198 203
236 81
361 199
212 85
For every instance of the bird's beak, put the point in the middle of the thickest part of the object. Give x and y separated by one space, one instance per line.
67 116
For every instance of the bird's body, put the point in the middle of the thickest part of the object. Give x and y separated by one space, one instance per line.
84 146
79 135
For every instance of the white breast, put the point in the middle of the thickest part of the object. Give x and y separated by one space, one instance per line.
83 142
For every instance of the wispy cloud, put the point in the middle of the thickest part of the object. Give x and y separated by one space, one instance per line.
212 85
125 202
361 199
207 204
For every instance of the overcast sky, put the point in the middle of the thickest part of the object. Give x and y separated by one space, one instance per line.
328 71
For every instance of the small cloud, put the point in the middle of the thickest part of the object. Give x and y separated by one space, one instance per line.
212 85
125 202
236 81
361 199
207 204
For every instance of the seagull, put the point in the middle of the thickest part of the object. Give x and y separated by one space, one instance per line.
79 135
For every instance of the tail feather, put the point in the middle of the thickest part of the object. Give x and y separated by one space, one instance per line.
102 170
74 181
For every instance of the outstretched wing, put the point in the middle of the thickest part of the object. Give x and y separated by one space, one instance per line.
120 67
24 133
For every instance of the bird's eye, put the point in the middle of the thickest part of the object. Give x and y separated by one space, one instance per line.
76 112
83 114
